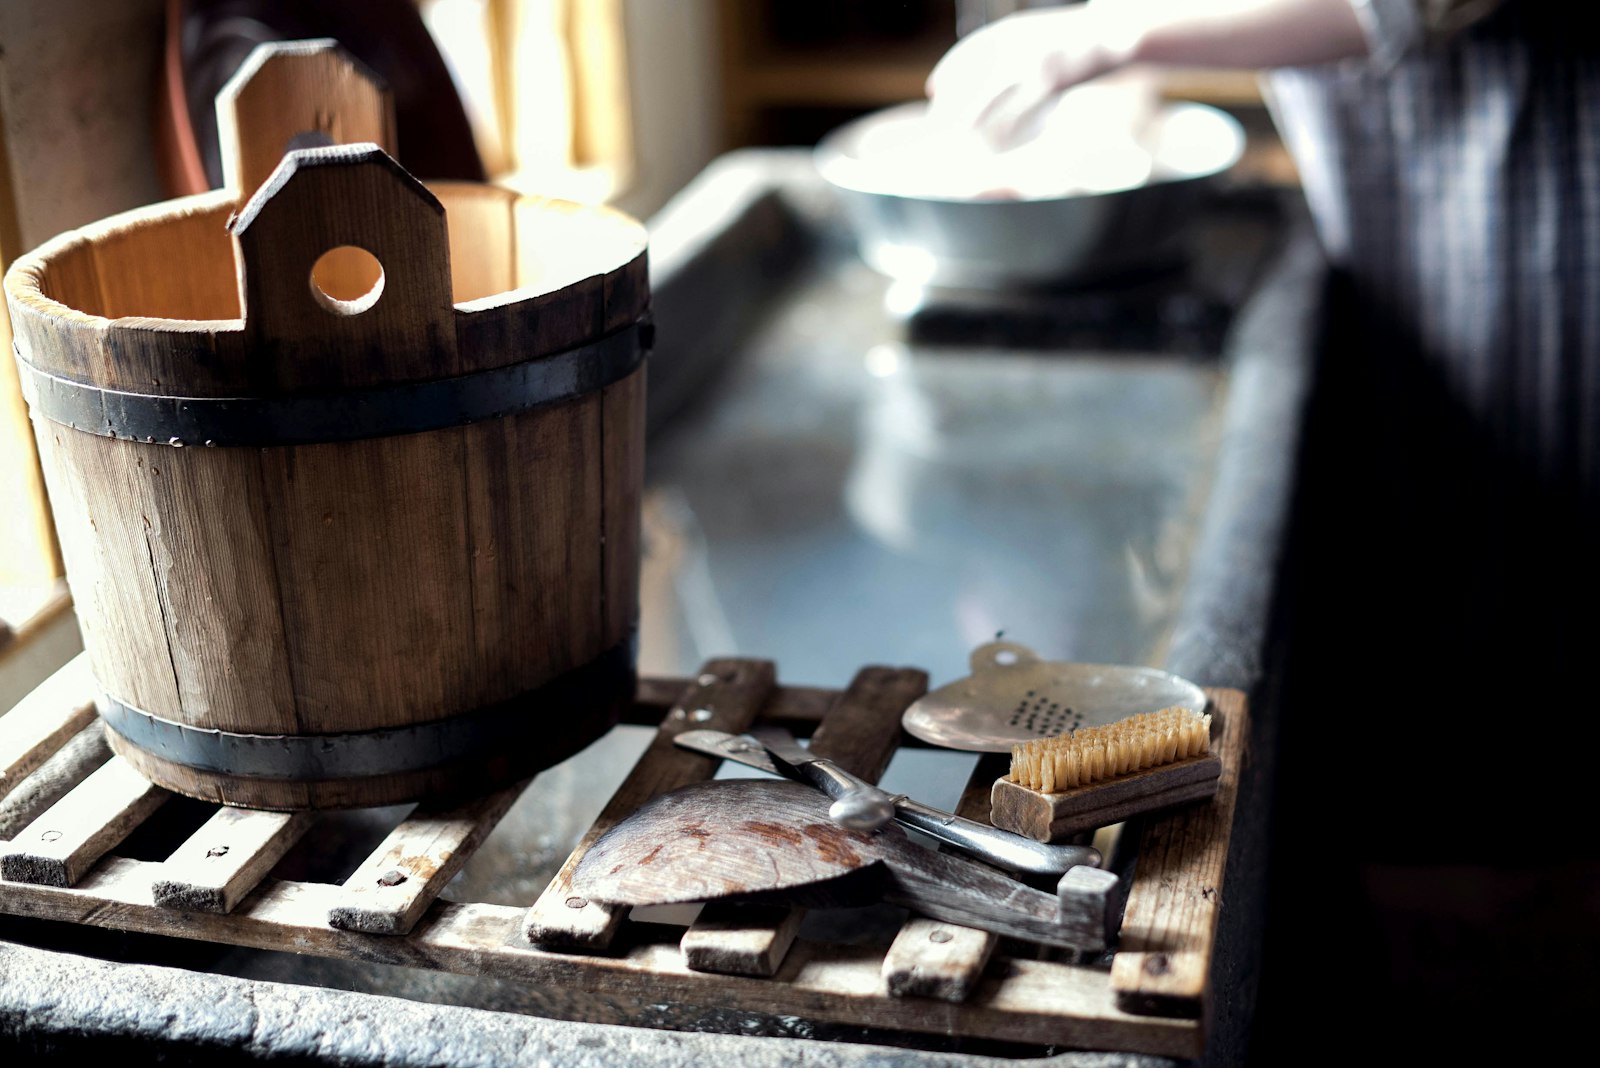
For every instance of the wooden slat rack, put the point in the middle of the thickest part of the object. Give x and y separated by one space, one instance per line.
218 886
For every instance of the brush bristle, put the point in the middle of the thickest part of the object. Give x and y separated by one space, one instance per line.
1095 754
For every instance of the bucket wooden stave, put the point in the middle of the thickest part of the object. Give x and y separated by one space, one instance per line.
400 615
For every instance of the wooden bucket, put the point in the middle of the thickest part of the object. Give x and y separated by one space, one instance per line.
332 546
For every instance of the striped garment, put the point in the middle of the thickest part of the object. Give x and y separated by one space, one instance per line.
1451 551
1456 178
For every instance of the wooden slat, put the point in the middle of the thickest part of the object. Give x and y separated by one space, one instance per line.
41 722
58 847
1031 1001
796 707
933 959
397 883
1170 926
225 859
117 597
860 734
727 695
77 759
622 480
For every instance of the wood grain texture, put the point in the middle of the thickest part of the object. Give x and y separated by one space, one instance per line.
726 695
860 734
1030 1001
392 888
622 435
78 758
58 847
44 720
934 959
372 553
1170 927
224 860
1056 817
106 523
285 90
211 555
483 239
535 570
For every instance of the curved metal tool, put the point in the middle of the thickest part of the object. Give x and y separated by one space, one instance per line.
857 804
773 841
1000 848
1013 696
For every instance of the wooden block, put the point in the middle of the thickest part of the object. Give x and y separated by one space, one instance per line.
397 883
1058 816
727 695
1092 895
934 959
740 939
58 847
226 858
1170 926
41 722
860 734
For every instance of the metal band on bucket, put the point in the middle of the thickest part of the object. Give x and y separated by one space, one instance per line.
378 411
530 720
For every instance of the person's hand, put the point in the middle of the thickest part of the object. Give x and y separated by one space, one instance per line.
999 79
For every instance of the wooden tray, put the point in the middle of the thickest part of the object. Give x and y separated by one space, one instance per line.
1153 997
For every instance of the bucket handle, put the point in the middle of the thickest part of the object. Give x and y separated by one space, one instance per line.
320 321
296 94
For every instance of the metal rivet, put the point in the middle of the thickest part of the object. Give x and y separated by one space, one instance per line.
217 851
577 902
941 936
392 877
701 715
49 836
708 679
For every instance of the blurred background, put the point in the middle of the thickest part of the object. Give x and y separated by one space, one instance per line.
106 105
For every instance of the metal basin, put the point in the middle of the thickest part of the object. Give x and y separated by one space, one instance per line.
1040 241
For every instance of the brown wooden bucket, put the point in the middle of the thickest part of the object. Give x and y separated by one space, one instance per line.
330 548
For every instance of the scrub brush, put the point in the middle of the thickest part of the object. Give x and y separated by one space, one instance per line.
1095 776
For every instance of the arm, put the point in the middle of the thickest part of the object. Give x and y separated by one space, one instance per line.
998 77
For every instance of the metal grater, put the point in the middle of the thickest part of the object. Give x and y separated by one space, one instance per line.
1013 696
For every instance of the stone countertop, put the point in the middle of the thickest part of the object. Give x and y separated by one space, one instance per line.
708 277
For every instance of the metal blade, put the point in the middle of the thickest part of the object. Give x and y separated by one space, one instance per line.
727 747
